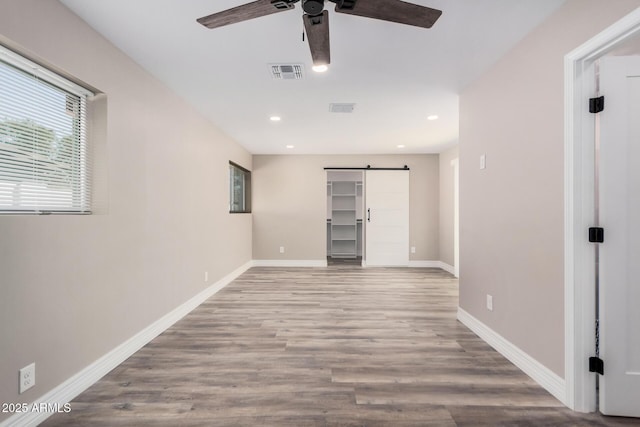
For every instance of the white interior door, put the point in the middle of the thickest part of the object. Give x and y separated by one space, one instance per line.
620 252
387 218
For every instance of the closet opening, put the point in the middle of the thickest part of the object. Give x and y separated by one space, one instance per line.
345 208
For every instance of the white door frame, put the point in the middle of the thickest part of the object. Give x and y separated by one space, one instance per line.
579 300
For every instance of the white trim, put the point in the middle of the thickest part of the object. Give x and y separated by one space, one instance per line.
548 379
84 379
289 263
30 67
578 185
424 264
432 264
448 268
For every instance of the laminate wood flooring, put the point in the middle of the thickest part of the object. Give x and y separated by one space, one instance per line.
336 346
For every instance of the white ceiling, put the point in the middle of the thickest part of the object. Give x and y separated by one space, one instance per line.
397 75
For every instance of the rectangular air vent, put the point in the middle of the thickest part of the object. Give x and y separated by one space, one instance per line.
342 107
287 71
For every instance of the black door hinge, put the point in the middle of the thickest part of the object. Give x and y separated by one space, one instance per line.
596 235
596 104
596 365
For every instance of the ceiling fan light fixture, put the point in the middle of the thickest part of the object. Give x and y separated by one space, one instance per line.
321 68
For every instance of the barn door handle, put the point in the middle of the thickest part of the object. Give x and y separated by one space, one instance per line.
368 214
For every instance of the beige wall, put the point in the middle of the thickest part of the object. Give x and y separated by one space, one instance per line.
74 287
446 205
289 203
511 213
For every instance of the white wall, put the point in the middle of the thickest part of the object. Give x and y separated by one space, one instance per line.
74 287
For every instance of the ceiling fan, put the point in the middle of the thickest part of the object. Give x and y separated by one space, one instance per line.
316 19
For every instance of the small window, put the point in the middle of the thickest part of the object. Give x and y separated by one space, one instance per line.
239 189
44 164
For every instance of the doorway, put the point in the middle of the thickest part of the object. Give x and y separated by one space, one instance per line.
455 164
345 228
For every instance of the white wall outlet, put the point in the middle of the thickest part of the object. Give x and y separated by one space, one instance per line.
27 377
483 161
489 302
413 249
206 276
281 249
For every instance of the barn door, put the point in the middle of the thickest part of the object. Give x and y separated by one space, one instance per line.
387 218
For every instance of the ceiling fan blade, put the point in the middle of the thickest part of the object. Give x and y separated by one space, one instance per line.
245 12
391 10
317 29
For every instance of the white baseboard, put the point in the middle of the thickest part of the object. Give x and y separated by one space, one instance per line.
84 379
433 264
289 263
548 379
448 268
424 264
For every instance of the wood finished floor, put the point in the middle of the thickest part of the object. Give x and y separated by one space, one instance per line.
337 346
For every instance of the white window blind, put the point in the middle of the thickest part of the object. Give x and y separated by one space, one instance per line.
44 156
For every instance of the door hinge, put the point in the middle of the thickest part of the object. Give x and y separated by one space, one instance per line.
596 104
596 235
596 365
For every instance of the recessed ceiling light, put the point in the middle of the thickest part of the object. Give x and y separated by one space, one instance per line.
400 146
433 117
291 146
275 118
320 68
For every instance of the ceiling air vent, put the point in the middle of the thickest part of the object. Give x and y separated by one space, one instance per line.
286 71
342 108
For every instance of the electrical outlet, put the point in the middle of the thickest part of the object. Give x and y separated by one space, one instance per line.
413 249
281 249
206 276
27 377
489 302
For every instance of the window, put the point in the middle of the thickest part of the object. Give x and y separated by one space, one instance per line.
239 189
44 164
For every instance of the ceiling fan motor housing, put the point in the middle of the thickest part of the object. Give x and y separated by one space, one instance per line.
313 7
